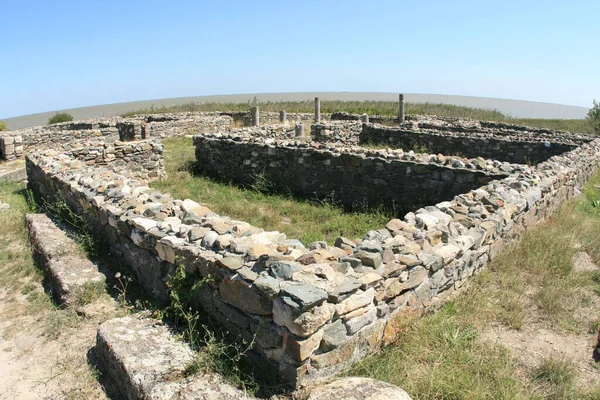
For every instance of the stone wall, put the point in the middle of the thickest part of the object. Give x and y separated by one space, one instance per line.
514 149
114 129
11 147
310 311
136 160
346 132
244 118
351 176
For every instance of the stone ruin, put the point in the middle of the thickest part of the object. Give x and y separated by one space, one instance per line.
310 310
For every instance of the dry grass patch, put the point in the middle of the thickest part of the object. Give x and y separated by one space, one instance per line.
525 328
43 348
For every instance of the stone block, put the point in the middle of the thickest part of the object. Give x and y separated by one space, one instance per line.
145 361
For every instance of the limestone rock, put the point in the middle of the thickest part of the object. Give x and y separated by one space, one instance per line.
357 388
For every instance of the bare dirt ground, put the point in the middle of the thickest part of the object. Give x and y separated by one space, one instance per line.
538 341
45 354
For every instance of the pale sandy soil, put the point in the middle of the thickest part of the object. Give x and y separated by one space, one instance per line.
40 358
537 341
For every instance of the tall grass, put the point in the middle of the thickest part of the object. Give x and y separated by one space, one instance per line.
371 107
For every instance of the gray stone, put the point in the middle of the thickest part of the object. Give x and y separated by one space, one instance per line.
344 243
415 276
369 259
284 269
353 261
431 261
317 245
145 361
370 246
68 271
355 324
293 243
247 274
306 296
383 309
267 285
334 335
358 388
231 263
209 239
349 285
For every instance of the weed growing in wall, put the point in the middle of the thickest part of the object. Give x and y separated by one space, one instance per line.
213 354
593 117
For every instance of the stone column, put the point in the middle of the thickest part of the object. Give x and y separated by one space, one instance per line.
299 129
254 113
144 130
401 109
317 110
282 117
364 118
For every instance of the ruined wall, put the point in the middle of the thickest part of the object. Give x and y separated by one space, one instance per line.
111 129
11 147
311 312
346 132
342 175
512 149
137 159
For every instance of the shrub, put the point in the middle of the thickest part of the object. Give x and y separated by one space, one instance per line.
3 126
593 117
60 117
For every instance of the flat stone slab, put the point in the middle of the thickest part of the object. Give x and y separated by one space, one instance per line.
67 270
356 388
146 361
16 175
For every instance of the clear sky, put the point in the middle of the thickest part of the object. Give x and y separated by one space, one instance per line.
58 54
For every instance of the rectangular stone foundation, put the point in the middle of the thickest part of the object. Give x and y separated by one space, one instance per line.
311 312
354 178
522 149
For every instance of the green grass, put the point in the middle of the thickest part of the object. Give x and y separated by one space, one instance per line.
298 219
442 355
389 108
16 262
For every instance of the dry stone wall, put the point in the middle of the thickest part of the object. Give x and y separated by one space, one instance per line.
138 159
11 147
515 149
354 177
13 144
310 312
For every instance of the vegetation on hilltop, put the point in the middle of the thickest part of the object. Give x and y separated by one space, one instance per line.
593 117
60 117
3 126
378 108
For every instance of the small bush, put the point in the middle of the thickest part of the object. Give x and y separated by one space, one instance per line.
60 117
3 126
593 117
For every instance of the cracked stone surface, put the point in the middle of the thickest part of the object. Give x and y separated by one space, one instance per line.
146 361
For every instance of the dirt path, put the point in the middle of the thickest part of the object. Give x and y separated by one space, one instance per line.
533 344
45 355
538 341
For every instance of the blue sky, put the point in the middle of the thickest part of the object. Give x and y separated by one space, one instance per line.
60 54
